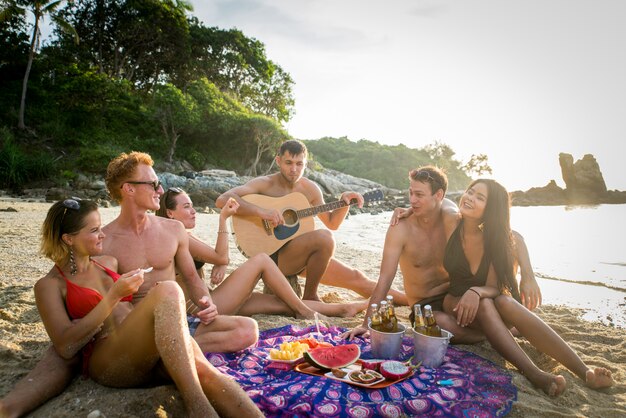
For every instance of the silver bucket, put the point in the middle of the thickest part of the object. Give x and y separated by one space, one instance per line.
386 345
430 350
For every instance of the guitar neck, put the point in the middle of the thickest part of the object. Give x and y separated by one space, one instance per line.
314 210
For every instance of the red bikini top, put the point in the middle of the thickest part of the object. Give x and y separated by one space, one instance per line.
79 300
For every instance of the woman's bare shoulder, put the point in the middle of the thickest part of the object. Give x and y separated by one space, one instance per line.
52 279
107 261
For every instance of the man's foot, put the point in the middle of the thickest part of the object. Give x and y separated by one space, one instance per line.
599 378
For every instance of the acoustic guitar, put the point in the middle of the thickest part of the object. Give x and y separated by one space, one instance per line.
254 235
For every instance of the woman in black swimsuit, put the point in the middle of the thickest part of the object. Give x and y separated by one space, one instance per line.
235 293
484 294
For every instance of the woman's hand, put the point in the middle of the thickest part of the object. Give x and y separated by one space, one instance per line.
229 209
530 293
399 213
467 307
218 272
127 284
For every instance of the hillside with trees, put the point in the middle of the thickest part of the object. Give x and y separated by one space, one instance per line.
147 75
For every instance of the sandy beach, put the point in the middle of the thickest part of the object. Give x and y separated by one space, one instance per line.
23 338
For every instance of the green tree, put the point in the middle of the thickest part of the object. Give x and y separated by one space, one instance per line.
265 137
143 41
39 10
478 164
175 111
238 66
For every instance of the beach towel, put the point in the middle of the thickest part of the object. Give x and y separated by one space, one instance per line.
465 385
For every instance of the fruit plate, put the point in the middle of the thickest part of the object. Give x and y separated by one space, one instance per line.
308 369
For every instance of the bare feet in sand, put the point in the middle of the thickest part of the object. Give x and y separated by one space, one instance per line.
599 378
552 385
556 387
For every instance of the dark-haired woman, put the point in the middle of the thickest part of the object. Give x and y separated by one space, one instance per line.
235 294
483 290
124 346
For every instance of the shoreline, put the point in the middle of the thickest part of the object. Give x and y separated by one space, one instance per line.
23 338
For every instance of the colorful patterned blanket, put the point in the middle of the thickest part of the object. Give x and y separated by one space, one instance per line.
474 387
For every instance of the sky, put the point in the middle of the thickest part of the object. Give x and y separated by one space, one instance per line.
519 81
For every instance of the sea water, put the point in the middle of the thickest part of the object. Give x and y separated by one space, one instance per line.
577 253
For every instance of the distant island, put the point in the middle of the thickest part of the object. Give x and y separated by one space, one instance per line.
584 185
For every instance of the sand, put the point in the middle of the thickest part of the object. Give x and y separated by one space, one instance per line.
23 337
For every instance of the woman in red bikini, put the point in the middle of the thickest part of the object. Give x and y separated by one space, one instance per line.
125 346
235 295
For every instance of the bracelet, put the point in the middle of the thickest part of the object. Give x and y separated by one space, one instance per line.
222 232
480 297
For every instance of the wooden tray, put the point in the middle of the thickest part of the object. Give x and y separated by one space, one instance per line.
308 369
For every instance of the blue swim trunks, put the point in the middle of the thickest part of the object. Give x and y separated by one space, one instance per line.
193 322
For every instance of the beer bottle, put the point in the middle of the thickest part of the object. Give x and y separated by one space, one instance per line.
432 328
375 321
384 316
420 325
393 320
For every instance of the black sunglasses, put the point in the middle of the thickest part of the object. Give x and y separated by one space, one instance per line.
421 175
155 184
72 203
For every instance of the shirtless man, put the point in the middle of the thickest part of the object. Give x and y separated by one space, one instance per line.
417 243
138 239
310 254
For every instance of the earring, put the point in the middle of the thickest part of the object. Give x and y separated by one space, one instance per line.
481 227
73 268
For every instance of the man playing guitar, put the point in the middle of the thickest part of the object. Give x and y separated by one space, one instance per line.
309 254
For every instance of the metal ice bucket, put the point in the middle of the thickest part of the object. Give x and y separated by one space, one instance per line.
386 345
430 350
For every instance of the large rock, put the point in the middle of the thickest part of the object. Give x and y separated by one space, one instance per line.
334 183
583 179
549 195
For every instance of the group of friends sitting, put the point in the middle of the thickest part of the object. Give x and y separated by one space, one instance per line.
140 278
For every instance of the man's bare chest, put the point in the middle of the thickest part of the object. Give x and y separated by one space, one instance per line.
425 251
147 250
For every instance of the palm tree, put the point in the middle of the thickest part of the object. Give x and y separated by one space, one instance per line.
39 9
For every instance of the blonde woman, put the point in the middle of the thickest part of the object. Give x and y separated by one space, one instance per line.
124 345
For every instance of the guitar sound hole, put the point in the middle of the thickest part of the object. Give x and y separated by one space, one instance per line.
291 217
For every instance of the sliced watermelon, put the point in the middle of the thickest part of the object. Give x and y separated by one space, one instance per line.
394 370
327 358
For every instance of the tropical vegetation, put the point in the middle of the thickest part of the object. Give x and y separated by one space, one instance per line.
122 75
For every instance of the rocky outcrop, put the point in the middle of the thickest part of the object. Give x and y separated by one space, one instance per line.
583 179
584 185
204 187
549 195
